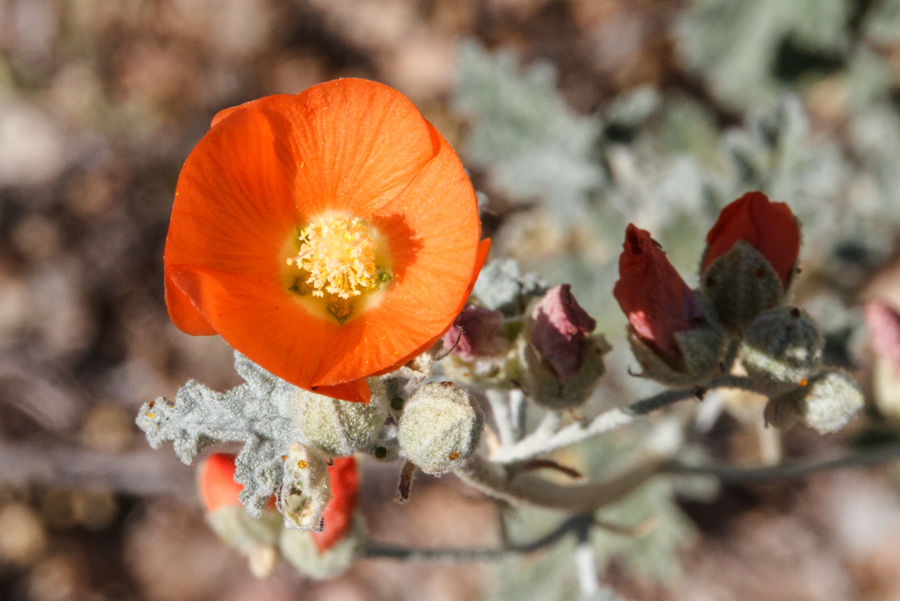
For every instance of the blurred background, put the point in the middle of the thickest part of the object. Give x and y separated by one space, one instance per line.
575 117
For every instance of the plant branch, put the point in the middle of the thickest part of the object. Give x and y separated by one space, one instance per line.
496 481
788 470
573 524
502 417
541 442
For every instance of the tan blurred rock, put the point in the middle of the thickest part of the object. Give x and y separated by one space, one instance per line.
24 539
108 427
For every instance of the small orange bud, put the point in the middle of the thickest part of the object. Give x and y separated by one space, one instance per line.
216 481
338 514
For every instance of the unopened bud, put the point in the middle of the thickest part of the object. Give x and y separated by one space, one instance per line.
340 428
830 401
669 332
548 388
562 361
305 490
769 227
782 350
476 332
740 285
440 427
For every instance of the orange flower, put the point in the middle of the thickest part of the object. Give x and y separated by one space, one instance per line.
328 236
769 227
338 514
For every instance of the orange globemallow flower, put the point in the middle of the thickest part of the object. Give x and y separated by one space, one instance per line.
328 236
769 227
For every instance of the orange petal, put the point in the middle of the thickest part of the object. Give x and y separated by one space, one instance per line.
232 212
356 391
433 233
483 248
183 313
261 320
353 145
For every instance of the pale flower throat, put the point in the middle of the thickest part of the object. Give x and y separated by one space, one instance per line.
338 253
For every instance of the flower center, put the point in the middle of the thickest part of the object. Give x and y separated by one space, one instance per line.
338 253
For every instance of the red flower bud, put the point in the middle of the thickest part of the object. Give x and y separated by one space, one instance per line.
475 333
884 326
338 514
216 481
769 227
560 328
654 297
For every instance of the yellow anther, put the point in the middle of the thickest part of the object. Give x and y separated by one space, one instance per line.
339 255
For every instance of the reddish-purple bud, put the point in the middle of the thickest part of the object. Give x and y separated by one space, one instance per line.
769 227
653 296
560 329
884 327
477 332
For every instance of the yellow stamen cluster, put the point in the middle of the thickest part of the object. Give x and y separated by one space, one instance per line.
339 255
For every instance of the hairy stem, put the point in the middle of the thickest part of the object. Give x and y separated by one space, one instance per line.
525 488
541 442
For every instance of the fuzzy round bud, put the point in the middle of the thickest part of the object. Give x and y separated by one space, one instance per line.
830 401
782 350
740 285
548 388
440 427
340 428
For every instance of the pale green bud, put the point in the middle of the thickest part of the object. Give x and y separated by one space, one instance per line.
830 402
256 539
340 428
549 389
740 285
782 350
306 488
440 427
300 550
